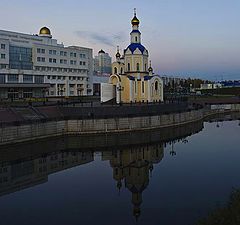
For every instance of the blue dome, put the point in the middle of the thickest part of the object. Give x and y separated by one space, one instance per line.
136 31
134 46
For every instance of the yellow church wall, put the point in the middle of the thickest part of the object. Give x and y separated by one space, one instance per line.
125 93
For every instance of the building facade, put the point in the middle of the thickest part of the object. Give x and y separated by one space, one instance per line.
132 76
102 63
38 66
102 70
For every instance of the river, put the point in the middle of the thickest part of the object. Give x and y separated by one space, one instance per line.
171 176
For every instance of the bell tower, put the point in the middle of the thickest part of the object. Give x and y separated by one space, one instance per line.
135 34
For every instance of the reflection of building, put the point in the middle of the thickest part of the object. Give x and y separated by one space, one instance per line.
132 167
102 70
36 65
18 175
132 77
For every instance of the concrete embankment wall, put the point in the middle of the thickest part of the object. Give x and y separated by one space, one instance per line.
37 130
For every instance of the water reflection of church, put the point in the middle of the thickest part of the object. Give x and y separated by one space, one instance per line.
132 167
132 158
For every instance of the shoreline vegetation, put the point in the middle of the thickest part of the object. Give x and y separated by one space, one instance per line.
225 215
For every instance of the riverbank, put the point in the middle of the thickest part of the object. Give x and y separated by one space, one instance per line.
29 130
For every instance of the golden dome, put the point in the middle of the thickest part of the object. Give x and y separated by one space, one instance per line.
135 20
45 31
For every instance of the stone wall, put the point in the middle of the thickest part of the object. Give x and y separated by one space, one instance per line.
37 130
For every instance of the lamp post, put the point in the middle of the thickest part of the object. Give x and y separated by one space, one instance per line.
60 90
119 89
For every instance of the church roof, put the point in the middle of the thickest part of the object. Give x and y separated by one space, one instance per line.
148 77
134 46
136 31
131 78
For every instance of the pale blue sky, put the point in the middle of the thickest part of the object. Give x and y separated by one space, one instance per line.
184 37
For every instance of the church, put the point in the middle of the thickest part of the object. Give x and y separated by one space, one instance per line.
132 76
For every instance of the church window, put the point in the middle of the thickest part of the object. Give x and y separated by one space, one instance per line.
121 70
136 39
156 85
128 66
135 86
115 70
137 66
142 86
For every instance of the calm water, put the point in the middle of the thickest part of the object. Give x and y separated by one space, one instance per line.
173 182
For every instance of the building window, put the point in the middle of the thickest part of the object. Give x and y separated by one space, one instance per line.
20 58
2 78
136 39
84 63
39 79
27 79
115 70
3 46
61 61
13 78
43 51
128 66
38 50
145 67
142 86
54 61
3 56
82 56
50 52
3 66
121 70
137 66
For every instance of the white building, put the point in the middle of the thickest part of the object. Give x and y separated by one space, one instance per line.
102 63
36 66
102 70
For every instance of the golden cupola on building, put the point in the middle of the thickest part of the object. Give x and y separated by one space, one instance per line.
45 32
135 20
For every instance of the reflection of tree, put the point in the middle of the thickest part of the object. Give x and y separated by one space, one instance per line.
133 167
228 215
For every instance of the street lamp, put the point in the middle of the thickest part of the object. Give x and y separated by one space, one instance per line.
119 89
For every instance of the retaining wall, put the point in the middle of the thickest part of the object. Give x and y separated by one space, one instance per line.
37 130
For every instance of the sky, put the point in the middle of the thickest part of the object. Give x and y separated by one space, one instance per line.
184 37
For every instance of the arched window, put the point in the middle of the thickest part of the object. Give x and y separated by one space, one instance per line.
121 70
115 70
128 66
137 66
156 86
136 39
142 86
